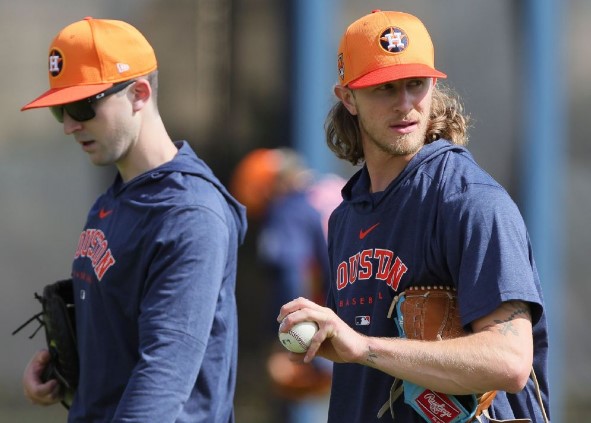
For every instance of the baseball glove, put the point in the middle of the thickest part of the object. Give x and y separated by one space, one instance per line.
57 316
431 314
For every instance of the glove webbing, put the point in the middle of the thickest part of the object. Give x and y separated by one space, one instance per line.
66 376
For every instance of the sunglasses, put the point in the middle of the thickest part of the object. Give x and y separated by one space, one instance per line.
82 110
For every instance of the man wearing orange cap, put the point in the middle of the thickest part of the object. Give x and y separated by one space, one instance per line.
154 271
420 225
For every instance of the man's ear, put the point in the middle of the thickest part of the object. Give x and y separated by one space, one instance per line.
347 98
141 94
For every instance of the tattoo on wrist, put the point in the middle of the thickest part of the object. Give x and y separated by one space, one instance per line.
371 356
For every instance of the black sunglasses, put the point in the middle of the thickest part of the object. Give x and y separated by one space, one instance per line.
82 110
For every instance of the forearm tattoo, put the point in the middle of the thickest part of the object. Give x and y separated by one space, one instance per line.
506 325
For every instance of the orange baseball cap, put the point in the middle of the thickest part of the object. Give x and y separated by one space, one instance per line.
385 46
253 179
91 55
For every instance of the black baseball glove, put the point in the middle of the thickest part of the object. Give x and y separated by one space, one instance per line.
58 318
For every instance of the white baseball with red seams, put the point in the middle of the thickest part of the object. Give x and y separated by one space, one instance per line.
299 337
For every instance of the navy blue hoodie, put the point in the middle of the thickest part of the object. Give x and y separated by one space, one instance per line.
442 221
154 282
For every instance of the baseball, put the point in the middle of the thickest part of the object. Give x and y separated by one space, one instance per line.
299 337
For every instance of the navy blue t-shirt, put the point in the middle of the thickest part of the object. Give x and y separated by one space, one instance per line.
442 221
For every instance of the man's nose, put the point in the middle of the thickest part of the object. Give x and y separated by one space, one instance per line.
404 101
70 125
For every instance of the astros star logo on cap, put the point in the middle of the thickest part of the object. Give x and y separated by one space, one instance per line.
394 40
56 62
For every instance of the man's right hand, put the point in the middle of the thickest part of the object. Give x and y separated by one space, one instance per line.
335 339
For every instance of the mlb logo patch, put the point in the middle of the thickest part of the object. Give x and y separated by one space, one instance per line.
362 320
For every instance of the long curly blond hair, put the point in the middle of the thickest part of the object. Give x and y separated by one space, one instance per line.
447 121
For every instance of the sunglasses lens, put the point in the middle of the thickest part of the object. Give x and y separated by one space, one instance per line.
80 110
58 113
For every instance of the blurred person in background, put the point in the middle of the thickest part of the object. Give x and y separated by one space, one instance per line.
155 268
291 206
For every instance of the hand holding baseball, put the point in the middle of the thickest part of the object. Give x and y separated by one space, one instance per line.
299 337
332 338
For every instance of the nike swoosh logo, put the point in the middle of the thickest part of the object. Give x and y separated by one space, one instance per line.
363 234
104 213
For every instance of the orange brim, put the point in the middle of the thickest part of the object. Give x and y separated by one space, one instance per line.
57 96
393 73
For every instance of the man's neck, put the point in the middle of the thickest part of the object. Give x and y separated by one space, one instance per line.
383 169
153 148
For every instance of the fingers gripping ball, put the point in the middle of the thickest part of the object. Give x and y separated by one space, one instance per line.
299 337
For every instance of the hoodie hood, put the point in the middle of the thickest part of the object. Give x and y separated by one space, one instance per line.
187 162
356 191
